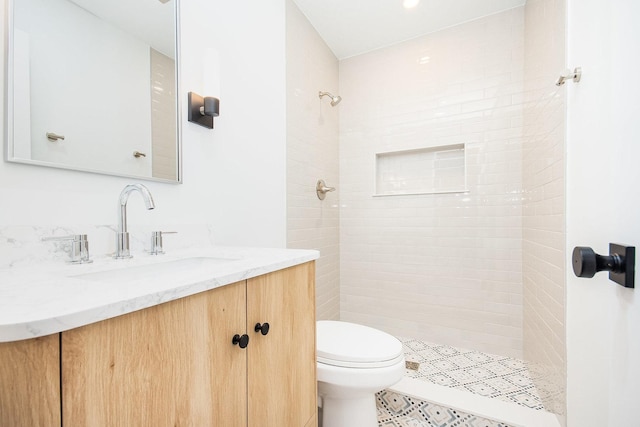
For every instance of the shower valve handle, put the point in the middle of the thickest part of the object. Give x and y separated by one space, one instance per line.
322 189
325 189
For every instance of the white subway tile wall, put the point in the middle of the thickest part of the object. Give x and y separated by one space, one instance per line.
312 154
437 169
163 110
544 195
445 268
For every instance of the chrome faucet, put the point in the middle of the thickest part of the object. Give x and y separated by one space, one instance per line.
122 235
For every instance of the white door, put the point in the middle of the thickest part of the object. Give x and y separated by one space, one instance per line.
603 205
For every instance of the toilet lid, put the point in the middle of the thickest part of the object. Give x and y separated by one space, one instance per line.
358 346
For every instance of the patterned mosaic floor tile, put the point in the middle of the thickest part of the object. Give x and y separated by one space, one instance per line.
489 375
397 410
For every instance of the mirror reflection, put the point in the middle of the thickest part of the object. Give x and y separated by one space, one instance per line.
94 86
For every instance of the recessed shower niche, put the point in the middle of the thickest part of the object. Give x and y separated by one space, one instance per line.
429 170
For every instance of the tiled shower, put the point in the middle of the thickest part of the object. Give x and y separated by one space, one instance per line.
443 267
479 266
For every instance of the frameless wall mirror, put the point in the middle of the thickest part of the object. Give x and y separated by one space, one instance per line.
92 86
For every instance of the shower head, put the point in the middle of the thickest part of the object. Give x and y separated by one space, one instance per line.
335 100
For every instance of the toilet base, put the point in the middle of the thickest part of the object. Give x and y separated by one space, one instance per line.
360 411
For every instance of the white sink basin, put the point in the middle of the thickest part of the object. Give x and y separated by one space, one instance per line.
184 266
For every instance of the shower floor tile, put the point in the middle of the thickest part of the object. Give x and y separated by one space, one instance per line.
488 375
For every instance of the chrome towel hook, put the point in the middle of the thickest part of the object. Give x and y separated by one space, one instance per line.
575 76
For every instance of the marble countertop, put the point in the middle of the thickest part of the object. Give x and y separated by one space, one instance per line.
50 298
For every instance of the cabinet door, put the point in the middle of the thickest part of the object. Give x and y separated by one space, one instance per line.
162 366
282 364
30 382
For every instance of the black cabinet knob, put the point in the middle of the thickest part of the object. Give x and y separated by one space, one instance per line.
241 340
263 329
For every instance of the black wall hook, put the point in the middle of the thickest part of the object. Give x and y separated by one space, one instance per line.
620 263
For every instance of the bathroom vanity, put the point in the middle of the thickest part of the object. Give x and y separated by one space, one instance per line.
131 349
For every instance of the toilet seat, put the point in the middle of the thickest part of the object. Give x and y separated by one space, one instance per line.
349 345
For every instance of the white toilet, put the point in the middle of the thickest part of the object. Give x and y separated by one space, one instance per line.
354 363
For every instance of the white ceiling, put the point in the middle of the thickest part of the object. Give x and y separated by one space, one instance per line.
352 27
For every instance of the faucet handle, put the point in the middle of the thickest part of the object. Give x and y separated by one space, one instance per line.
79 247
156 241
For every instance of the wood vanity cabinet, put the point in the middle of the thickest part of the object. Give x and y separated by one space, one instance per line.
174 364
30 382
281 365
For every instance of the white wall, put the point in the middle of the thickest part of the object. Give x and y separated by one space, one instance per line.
445 268
234 176
603 206
247 162
312 154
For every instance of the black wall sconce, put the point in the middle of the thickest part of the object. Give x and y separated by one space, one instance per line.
203 110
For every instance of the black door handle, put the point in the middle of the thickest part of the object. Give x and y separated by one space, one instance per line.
620 263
